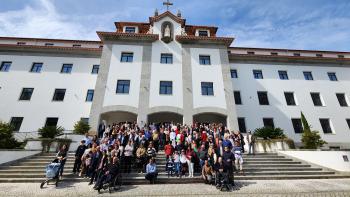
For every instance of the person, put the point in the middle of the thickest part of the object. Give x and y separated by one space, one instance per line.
219 171
238 156
128 155
251 143
78 154
101 130
62 157
183 161
203 155
207 172
87 140
228 161
190 161
110 172
151 152
151 171
177 163
141 158
168 150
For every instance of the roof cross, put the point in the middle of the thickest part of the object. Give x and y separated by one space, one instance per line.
167 4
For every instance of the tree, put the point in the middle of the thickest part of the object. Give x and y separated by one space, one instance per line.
50 131
269 133
7 141
310 139
81 127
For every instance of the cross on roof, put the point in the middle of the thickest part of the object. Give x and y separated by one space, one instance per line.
167 4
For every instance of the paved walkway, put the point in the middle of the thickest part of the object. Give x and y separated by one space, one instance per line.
325 187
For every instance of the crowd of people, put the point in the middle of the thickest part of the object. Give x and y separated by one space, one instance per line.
208 149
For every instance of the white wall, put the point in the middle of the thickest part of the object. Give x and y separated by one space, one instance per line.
329 159
41 105
207 73
124 71
8 156
278 109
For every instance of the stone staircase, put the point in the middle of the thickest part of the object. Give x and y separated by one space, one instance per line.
268 166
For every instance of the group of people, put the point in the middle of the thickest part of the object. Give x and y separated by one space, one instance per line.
206 148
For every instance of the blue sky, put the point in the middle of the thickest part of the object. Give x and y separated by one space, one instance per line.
293 24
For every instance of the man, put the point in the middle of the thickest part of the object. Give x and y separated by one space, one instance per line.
151 171
87 140
228 160
219 170
78 154
111 172
207 172
251 143
101 130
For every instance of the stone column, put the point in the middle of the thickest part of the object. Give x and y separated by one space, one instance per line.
228 88
145 84
100 88
187 86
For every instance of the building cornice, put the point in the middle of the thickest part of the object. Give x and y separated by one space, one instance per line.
118 36
288 59
286 50
51 40
227 41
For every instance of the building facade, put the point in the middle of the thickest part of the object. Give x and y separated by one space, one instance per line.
167 71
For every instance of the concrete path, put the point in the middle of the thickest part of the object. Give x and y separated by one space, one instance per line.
325 187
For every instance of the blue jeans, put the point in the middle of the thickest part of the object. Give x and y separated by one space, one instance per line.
177 167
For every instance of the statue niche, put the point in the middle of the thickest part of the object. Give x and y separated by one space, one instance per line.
167 32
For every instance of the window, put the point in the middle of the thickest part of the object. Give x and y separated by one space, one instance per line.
95 69
166 58
258 74
59 95
203 33
49 44
297 125
348 121
308 76
77 45
263 99
67 68
204 60
234 73
21 43
127 57
326 126
332 76
319 55
237 95
342 100
250 52
207 88
341 56
290 98
36 67
26 94
51 122
130 29
274 53
16 123
166 87
241 125
283 74
5 66
89 95
85 120
268 122
123 87
316 99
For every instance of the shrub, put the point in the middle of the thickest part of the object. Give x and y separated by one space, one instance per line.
269 133
310 139
81 127
50 131
7 141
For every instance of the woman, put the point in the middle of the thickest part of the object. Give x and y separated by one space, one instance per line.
62 157
128 153
141 158
190 161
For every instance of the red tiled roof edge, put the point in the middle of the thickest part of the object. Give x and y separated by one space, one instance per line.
49 39
288 50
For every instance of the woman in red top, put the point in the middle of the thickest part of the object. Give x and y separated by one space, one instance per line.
190 160
168 149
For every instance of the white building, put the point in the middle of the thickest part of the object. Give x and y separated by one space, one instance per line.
166 70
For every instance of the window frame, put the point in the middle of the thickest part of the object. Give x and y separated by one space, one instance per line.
55 99
241 120
127 29
260 99
123 86
348 122
299 123
329 125
166 57
257 74
47 120
238 98
319 97
344 97
18 122
67 68
89 95
269 119
93 70
206 87
283 75
23 97
234 73
167 89
294 103
200 31
127 57
34 66
204 60
4 67
308 77
332 76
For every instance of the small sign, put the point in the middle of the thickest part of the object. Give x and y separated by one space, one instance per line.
345 157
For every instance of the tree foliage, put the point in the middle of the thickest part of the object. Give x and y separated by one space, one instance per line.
50 131
269 133
310 139
81 127
7 141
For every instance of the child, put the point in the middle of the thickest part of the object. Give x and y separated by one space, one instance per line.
169 167
238 156
177 163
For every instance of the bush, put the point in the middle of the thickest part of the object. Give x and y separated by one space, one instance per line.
7 141
269 133
81 127
310 139
50 131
